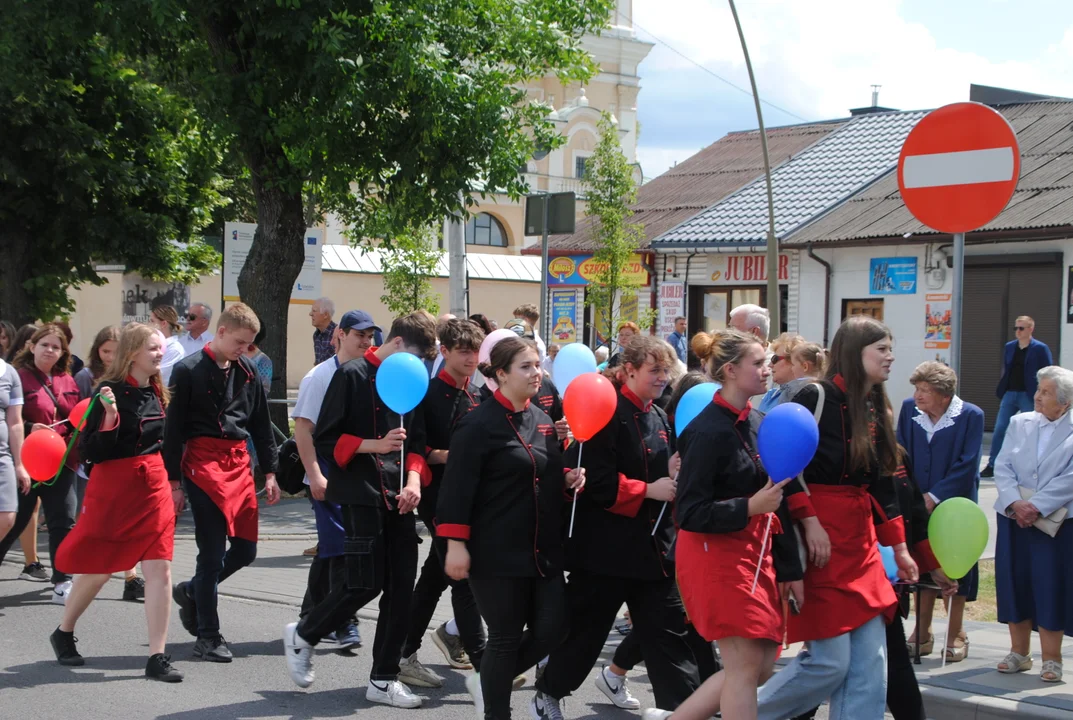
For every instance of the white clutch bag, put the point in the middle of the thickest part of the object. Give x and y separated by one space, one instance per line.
1050 524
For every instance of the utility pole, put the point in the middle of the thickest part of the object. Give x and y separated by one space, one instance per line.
456 248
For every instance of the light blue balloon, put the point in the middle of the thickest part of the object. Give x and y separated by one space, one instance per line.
402 382
889 565
573 359
692 403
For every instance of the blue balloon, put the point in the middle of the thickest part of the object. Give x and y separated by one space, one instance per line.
787 440
889 565
402 382
692 403
573 359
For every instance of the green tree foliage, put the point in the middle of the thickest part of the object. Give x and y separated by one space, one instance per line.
97 162
364 105
407 264
610 192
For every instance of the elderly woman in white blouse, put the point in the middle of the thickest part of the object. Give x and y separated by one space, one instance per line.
1034 553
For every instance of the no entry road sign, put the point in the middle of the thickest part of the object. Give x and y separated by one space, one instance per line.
959 167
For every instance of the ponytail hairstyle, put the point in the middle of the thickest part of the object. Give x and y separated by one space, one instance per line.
503 355
813 354
721 348
639 350
855 334
132 340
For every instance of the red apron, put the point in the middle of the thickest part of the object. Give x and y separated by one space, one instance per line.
127 516
221 468
853 587
715 576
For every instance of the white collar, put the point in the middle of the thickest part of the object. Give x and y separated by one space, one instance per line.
1045 423
947 420
3 366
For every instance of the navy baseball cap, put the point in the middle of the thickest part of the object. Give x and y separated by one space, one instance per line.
358 320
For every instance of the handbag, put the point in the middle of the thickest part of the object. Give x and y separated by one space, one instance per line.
1050 524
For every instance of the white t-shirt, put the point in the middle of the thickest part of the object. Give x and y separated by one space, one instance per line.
191 346
173 353
311 392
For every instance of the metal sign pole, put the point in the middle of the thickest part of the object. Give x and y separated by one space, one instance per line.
546 200
957 303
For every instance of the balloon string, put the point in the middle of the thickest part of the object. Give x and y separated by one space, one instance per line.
763 546
71 444
946 635
662 510
402 455
573 508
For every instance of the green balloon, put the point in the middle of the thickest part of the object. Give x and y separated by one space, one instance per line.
958 533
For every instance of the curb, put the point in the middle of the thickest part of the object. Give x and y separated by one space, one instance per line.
956 705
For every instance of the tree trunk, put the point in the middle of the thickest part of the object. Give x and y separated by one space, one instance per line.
15 305
269 274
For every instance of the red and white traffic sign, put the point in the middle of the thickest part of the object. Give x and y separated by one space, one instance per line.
959 167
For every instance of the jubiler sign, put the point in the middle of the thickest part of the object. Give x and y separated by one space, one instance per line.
744 269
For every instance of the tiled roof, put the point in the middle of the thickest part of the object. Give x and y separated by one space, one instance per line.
1044 195
481 266
805 186
699 182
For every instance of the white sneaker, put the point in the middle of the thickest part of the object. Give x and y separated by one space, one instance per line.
617 690
60 592
545 707
654 714
299 656
394 694
412 672
473 685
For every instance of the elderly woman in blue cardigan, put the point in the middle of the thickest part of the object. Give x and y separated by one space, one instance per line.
943 435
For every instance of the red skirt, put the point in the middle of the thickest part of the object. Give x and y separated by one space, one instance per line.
853 587
222 469
715 577
127 516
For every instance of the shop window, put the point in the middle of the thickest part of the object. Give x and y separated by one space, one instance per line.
872 307
483 229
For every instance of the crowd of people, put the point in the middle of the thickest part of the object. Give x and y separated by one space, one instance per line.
741 561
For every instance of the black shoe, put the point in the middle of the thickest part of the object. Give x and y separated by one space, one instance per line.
187 608
159 668
988 472
212 649
63 643
134 589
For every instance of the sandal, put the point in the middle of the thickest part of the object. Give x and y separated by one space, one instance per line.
1016 664
959 650
926 648
1052 671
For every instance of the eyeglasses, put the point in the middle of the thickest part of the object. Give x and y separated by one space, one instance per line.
1019 327
192 317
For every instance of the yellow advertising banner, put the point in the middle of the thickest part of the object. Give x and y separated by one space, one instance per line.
583 270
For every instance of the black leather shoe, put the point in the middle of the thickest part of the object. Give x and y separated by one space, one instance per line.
212 649
159 668
987 472
63 644
187 608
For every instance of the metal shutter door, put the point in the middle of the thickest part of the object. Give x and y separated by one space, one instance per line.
983 335
1036 291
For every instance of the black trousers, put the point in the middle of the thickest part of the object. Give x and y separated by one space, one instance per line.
379 555
903 693
526 618
629 653
430 586
659 622
60 502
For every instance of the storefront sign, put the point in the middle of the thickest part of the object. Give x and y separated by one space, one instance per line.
744 269
141 296
238 239
893 276
563 316
672 304
937 325
583 269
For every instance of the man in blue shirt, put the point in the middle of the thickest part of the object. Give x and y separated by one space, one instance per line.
677 339
1023 358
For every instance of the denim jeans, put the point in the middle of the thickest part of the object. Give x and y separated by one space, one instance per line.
1013 402
850 669
215 560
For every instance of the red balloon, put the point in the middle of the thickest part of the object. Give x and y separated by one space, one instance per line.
77 413
42 453
589 404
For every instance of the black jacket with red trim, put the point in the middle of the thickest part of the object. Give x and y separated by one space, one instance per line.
352 413
831 465
547 398
614 521
720 471
208 401
444 405
140 430
504 490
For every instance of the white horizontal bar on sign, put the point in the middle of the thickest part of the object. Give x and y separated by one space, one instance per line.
970 167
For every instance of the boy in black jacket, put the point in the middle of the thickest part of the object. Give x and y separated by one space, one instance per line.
363 438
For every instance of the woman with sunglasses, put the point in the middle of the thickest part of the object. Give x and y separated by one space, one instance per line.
782 369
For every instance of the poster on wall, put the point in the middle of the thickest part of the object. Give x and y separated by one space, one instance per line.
937 321
140 296
238 239
893 276
672 304
563 316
